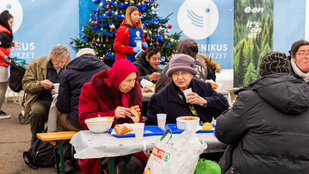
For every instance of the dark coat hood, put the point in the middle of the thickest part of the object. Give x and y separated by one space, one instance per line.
285 92
85 62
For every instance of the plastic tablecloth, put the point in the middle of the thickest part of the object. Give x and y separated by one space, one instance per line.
91 145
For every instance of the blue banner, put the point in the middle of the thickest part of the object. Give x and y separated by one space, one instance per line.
40 25
209 23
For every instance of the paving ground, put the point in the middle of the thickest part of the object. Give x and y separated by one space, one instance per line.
14 139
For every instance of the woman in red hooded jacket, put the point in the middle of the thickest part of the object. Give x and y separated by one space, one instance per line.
6 37
129 38
111 93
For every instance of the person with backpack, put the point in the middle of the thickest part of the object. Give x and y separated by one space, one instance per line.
6 38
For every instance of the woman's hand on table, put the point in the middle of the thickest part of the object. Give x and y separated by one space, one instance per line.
121 112
194 98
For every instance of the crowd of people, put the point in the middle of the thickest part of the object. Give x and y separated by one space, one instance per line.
266 129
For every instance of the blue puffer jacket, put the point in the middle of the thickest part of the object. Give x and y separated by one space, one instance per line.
79 71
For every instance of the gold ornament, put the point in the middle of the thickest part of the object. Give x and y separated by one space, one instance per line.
149 32
112 27
165 37
101 4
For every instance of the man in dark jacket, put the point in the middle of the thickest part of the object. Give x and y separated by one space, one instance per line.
267 128
79 71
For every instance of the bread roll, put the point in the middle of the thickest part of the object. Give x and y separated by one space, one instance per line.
135 115
122 129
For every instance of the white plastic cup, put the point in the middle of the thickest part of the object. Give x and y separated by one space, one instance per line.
185 92
139 130
192 126
161 119
56 87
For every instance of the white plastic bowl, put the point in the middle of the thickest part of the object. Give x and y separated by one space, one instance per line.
99 127
99 124
182 124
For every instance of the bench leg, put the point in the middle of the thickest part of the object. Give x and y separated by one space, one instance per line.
111 165
61 154
56 159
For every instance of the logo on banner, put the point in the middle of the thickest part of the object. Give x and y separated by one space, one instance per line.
198 19
14 7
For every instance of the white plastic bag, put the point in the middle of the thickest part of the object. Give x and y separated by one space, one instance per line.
179 157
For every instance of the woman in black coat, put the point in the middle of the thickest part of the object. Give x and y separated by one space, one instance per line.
203 101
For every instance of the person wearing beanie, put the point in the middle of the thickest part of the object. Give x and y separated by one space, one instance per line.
267 128
189 47
111 93
203 101
299 55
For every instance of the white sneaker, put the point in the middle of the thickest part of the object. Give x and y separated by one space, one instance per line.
4 115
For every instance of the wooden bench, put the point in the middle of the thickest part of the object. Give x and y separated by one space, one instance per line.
56 138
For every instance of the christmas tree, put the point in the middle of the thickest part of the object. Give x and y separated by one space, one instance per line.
99 32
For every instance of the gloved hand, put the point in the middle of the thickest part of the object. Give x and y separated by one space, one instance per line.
136 49
145 45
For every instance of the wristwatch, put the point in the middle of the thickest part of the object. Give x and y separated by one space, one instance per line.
205 103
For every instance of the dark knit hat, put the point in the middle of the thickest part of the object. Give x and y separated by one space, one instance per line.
274 62
181 62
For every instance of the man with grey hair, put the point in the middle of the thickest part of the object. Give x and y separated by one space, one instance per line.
38 81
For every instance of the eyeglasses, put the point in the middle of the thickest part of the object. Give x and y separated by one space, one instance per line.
303 54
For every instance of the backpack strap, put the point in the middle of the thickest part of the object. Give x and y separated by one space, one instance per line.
28 162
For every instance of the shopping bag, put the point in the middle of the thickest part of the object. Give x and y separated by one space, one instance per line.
181 156
207 167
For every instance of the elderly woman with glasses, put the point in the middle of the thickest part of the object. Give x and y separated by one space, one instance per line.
300 59
148 63
203 101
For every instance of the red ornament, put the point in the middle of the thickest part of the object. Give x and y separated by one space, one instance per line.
107 12
169 26
158 4
106 40
98 10
107 7
174 51
71 42
166 58
157 43
93 40
140 14
83 36
110 31
148 38
96 22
